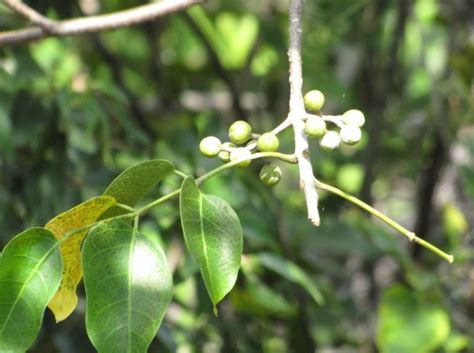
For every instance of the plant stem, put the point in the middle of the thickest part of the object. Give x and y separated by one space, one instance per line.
297 111
67 235
125 207
90 24
289 158
284 157
149 206
180 173
410 235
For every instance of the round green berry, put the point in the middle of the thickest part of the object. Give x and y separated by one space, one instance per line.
350 134
268 142
241 153
314 100
240 132
210 146
224 154
353 117
315 126
270 174
330 140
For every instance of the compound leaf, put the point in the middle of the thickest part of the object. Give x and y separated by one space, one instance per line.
65 300
213 236
128 288
30 272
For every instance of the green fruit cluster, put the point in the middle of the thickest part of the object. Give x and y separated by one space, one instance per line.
349 123
240 147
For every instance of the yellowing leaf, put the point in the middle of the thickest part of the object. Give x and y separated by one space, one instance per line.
65 300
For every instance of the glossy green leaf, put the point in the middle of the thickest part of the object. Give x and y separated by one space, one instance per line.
135 182
409 323
214 237
30 273
128 288
291 272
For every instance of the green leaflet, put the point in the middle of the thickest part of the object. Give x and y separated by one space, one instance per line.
291 272
135 182
214 237
128 288
30 273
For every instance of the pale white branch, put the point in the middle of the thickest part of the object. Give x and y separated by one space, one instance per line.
31 14
94 24
297 111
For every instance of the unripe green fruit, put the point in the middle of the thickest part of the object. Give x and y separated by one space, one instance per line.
315 126
210 146
240 132
241 153
268 142
224 155
314 100
270 174
330 140
353 117
350 134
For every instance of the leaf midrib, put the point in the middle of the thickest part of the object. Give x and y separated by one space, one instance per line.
130 275
43 259
204 244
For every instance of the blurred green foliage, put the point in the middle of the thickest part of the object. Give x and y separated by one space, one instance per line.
74 112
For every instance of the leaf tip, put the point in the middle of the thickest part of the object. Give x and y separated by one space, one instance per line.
215 311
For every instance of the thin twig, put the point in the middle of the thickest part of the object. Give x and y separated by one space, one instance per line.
297 111
410 235
32 15
285 124
99 23
335 119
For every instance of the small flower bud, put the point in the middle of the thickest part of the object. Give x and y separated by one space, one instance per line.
354 117
330 140
270 174
315 126
314 100
241 153
350 134
210 146
240 132
268 142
